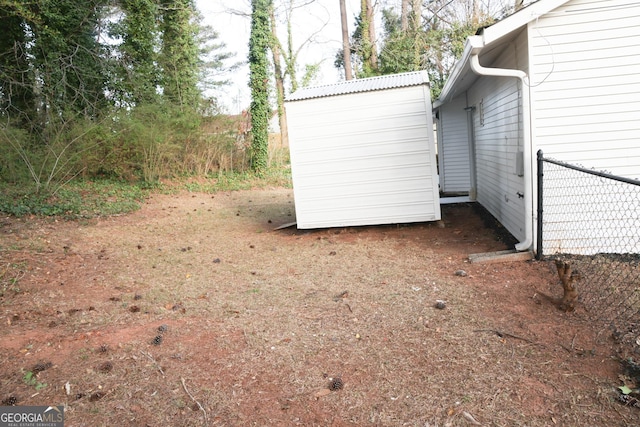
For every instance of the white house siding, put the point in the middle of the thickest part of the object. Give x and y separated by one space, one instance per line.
586 215
364 158
587 112
453 157
499 140
585 60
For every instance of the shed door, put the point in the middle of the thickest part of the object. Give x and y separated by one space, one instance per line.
364 159
454 148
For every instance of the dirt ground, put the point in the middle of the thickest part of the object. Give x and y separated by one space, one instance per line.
194 311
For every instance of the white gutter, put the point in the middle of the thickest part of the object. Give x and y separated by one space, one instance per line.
456 74
526 120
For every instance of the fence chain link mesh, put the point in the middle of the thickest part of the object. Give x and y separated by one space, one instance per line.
592 220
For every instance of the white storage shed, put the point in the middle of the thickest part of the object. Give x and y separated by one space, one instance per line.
363 152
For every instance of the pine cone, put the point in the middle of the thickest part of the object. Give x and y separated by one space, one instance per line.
336 384
105 367
42 366
96 396
10 401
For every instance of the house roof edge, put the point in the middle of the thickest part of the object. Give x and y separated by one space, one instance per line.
489 35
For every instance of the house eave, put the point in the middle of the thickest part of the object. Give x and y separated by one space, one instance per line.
488 37
519 19
460 69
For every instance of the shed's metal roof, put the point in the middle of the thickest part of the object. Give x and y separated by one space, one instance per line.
390 81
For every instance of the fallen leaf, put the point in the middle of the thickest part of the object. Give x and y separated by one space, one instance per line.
625 390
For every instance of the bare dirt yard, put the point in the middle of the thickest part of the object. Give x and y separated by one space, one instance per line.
194 311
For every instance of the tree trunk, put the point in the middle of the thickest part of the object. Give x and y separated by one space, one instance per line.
416 23
346 46
291 57
404 16
373 57
416 14
258 83
279 77
475 12
367 46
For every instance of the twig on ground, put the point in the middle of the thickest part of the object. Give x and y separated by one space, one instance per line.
341 296
566 348
506 334
467 416
578 351
148 355
206 418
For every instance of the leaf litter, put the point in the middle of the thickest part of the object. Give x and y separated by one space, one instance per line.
284 308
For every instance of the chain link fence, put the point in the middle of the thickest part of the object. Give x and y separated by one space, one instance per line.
591 220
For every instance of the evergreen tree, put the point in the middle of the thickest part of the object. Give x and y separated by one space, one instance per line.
214 58
138 73
398 53
180 53
259 83
17 96
68 57
61 86
409 44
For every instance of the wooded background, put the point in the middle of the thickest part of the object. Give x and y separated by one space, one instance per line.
122 88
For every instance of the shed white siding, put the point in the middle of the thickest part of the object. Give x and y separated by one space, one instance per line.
585 63
364 158
453 157
498 139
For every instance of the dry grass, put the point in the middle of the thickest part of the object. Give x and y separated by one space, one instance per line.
258 322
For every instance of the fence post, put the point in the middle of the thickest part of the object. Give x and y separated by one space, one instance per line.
540 207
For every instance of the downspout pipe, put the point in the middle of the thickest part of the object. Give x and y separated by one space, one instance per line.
527 243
